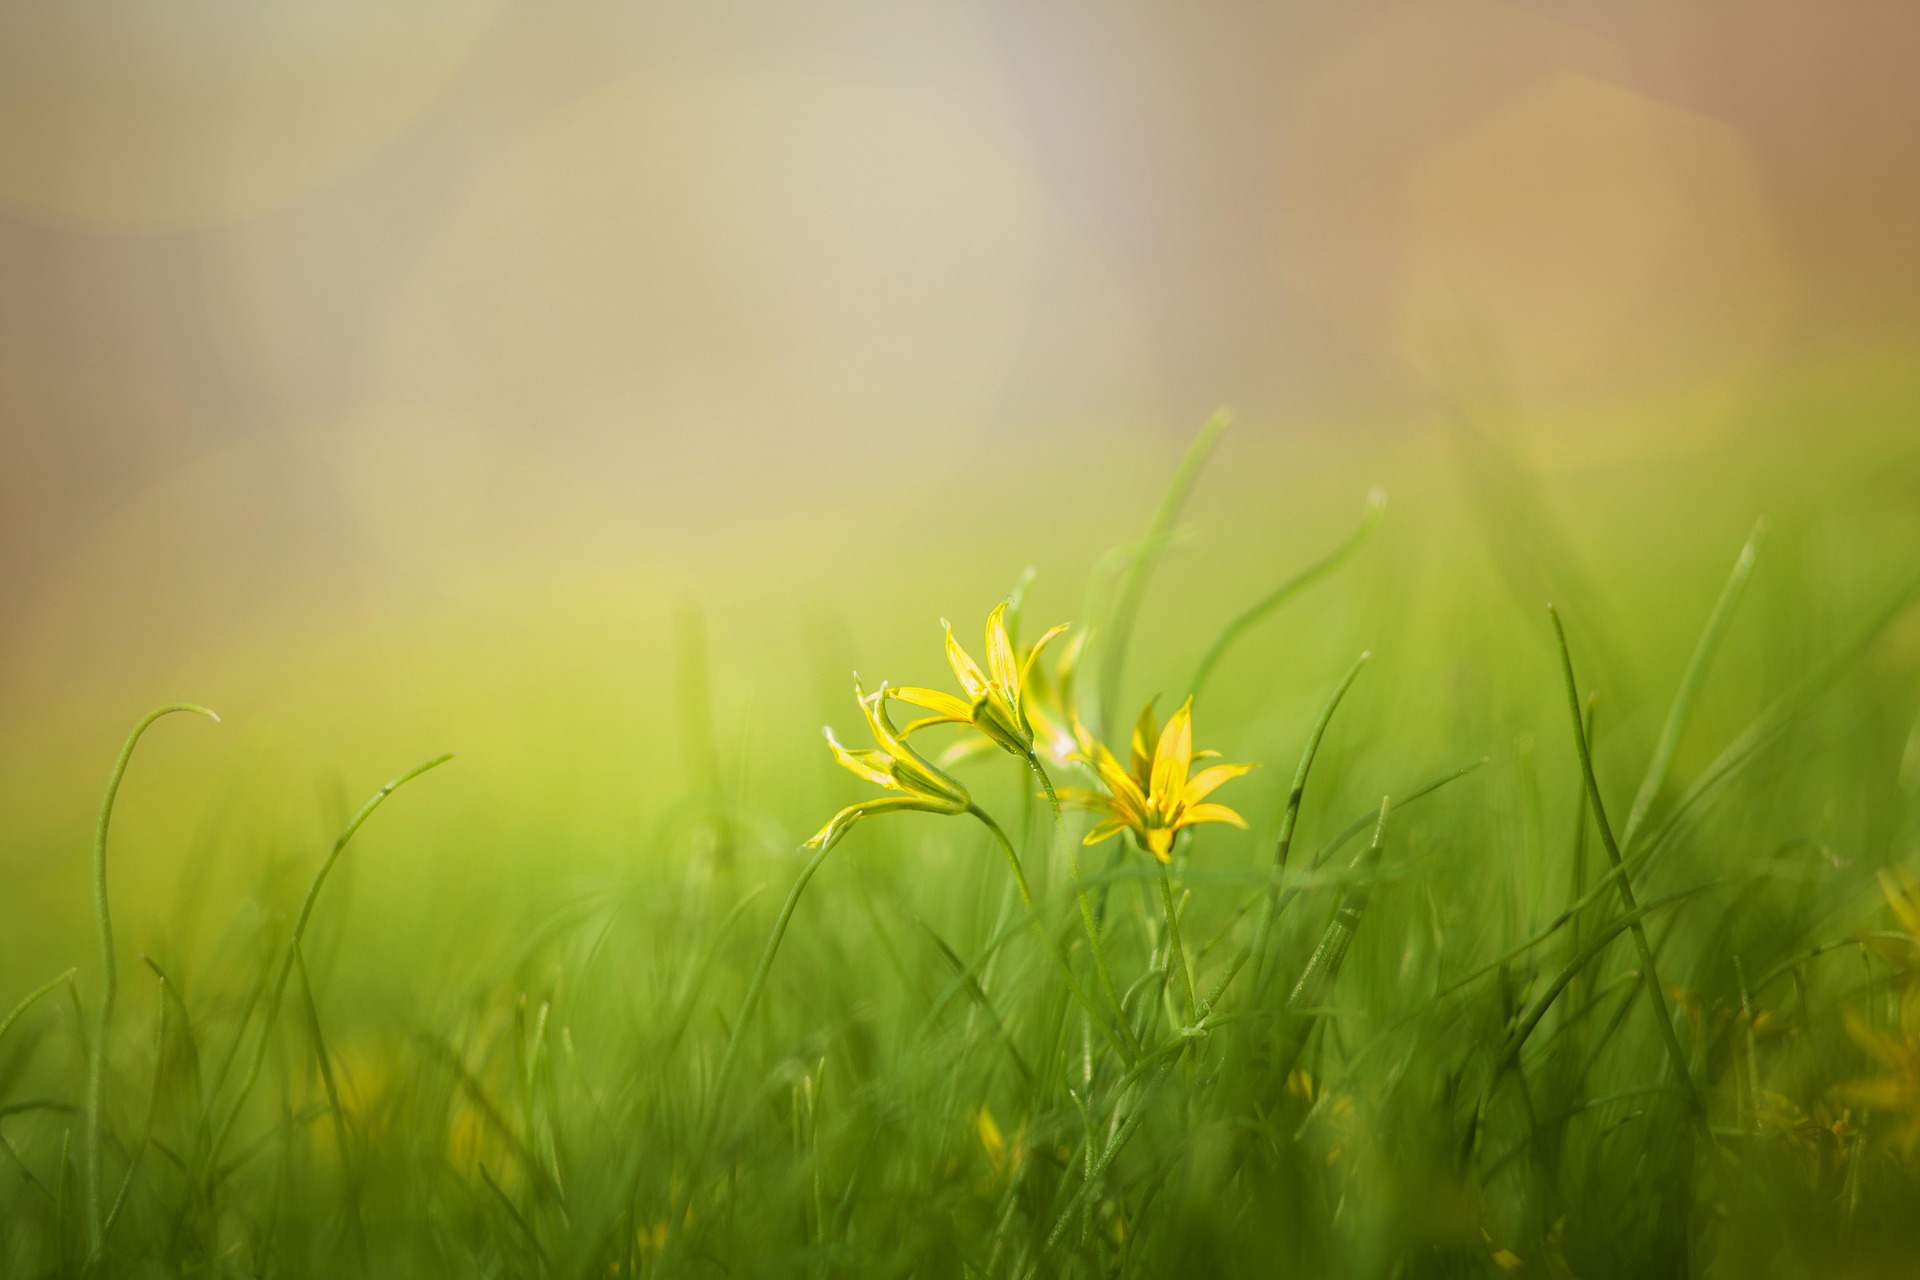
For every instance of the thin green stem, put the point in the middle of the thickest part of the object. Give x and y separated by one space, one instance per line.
1176 952
1046 939
1086 912
287 960
32 998
1689 690
1133 588
1650 974
110 980
1283 843
1231 633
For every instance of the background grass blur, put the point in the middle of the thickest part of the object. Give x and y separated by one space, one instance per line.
591 392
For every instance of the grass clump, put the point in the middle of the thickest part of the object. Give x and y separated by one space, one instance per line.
1084 1006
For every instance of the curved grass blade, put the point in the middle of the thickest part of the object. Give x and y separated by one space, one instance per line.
1231 633
1310 990
32 998
1650 979
287 960
1283 843
109 979
1133 587
1689 690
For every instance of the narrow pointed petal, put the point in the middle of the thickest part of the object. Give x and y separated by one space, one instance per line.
1160 842
1105 831
874 766
971 677
1082 798
1000 660
844 821
1033 654
935 700
1904 901
1173 756
927 722
1146 736
1212 813
1205 782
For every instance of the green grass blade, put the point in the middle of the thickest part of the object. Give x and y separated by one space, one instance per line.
1650 979
1255 614
1133 587
92 1192
1689 690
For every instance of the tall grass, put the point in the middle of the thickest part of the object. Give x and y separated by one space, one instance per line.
1400 1027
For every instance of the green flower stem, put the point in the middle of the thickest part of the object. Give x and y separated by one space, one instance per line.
1086 914
1052 950
1176 953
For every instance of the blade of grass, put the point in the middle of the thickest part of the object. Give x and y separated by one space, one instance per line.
1231 633
153 1103
285 971
1133 587
1283 843
92 1192
1310 990
31 998
1689 690
1650 973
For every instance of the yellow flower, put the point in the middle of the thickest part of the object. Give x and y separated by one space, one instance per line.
1057 732
1896 1091
1156 798
1900 950
894 765
995 703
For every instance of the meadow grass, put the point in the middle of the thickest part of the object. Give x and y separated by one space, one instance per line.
1439 1011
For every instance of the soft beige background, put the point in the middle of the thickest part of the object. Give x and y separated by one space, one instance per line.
406 365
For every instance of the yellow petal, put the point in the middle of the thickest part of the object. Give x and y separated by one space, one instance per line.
912 771
935 700
1207 780
1000 660
1105 831
1905 904
1173 756
1212 813
1160 842
1122 790
845 820
874 766
1887 1093
1882 1050
1146 736
1033 654
971 677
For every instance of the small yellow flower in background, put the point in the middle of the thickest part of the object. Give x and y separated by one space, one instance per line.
1003 1159
894 765
1896 1091
1901 951
1505 1259
990 1139
1156 798
996 699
